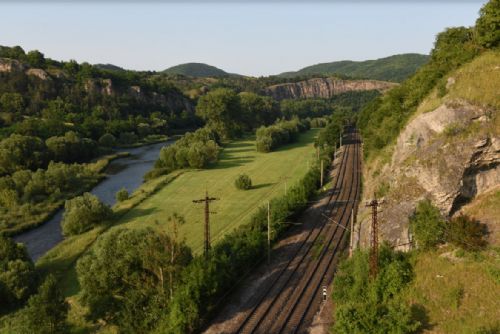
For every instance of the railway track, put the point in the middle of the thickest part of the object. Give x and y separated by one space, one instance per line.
289 302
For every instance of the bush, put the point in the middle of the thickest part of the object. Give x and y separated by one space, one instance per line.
243 182
17 274
427 225
466 232
83 213
122 195
107 140
365 305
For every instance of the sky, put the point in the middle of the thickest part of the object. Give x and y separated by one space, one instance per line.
250 38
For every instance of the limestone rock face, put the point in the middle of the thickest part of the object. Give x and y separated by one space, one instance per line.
39 73
11 65
450 155
324 88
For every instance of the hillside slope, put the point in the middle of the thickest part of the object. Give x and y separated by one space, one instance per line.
449 152
394 68
197 70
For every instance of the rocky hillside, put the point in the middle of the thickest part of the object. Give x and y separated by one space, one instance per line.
323 88
449 152
394 68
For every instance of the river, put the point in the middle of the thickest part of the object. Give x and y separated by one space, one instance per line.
125 173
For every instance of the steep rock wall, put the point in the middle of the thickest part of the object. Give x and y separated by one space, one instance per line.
323 88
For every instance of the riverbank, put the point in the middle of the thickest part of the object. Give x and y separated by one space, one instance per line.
51 209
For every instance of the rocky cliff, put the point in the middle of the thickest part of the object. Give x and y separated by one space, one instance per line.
323 88
449 152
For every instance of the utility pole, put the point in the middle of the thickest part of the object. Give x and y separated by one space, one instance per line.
340 139
322 173
284 178
268 233
206 200
352 233
317 152
374 238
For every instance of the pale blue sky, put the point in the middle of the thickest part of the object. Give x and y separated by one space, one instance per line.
251 39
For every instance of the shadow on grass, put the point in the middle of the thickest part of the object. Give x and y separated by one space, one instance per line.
232 162
262 185
419 313
136 213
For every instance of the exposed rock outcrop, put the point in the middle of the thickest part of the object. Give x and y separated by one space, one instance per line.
324 88
39 73
450 155
11 65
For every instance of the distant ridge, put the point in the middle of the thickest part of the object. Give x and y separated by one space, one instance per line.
109 67
197 70
394 68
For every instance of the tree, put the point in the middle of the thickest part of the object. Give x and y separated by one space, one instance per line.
21 152
221 110
84 212
488 24
46 311
36 59
122 195
17 273
107 140
427 225
243 182
121 277
12 103
466 232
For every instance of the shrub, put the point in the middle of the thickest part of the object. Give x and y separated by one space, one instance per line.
107 140
283 132
365 305
243 182
466 232
122 195
427 225
83 213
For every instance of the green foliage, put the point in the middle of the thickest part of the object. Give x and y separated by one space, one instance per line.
394 68
381 120
467 233
71 148
26 194
488 25
195 150
123 278
283 132
17 274
21 152
365 305
257 110
427 225
220 109
122 195
83 213
46 311
243 182
107 140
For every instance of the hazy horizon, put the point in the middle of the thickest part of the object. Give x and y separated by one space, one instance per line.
246 38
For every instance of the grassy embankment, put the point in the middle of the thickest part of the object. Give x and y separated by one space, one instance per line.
150 205
457 292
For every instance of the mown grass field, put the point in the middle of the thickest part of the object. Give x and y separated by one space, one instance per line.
268 172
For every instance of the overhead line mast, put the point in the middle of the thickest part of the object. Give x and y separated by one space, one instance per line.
206 200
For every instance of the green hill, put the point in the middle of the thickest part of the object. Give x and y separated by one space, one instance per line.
394 68
109 67
197 70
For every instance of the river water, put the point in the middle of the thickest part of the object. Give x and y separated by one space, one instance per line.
125 173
